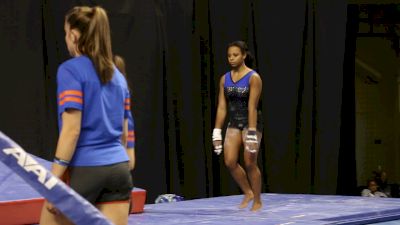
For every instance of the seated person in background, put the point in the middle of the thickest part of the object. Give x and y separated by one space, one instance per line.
382 182
372 190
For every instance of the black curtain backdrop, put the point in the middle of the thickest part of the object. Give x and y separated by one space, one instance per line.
347 176
176 52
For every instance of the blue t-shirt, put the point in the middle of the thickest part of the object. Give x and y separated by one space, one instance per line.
104 108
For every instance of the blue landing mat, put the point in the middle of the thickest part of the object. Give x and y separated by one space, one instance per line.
283 209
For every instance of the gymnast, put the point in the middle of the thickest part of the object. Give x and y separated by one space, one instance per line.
239 93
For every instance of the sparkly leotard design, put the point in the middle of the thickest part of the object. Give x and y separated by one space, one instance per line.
237 95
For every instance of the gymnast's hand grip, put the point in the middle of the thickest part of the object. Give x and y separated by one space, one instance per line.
217 141
251 142
218 149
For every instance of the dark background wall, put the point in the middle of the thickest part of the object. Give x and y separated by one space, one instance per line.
176 52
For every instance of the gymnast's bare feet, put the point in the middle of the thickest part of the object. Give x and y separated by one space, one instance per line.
257 205
246 199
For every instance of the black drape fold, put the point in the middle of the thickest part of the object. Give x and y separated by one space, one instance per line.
279 62
330 26
347 176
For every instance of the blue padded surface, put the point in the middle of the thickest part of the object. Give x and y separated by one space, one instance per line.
278 209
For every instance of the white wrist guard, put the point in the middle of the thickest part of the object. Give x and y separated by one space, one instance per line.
217 136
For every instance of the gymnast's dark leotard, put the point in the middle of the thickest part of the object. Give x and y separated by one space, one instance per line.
237 95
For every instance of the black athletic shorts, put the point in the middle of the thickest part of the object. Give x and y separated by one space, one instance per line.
101 184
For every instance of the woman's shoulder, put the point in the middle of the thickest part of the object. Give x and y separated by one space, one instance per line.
254 75
227 74
75 67
76 62
253 72
223 77
120 77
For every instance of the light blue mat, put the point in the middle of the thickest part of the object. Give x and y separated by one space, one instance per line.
283 209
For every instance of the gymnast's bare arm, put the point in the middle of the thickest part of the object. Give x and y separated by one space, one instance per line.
221 109
255 92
